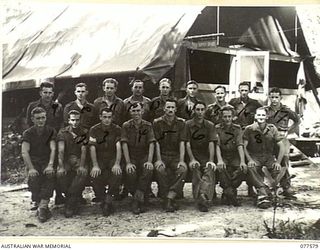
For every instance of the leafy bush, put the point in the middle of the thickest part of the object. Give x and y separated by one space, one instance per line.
12 167
293 230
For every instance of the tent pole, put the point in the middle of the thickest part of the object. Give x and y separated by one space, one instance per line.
313 88
218 25
296 32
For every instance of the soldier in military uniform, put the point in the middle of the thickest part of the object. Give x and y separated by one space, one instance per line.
170 166
54 110
213 112
54 119
72 169
231 160
186 104
105 151
157 104
200 136
111 101
259 139
82 105
38 151
137 96
245 108
138 139
280 115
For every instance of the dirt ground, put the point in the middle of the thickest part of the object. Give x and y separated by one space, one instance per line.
246 221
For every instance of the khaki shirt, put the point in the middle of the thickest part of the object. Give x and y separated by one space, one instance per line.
229 139
280 118
261 142
137 138
169 135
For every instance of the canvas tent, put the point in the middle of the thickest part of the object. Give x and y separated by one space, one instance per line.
92 41
70 41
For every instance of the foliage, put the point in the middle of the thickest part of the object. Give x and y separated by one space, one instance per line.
12 167
293 230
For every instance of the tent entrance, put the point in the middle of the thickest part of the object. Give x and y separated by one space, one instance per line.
252 67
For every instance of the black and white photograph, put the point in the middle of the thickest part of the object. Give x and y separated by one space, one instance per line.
158 121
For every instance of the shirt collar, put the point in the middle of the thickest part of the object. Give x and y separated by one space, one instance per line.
105 127
78 102
281 106
132 124
217 104
164 118
114 99
222 125
193 123
131 97
256 127
39 102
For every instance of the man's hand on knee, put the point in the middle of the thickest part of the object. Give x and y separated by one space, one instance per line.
194 164
159 166
148 165
33 173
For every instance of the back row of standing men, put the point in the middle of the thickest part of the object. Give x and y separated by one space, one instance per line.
184 133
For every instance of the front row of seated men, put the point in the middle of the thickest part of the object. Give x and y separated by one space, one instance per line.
166 149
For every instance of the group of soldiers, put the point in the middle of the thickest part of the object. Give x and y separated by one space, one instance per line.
132 142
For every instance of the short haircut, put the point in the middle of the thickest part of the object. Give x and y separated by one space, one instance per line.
262 108
80 85
37 110
245 84
46 84
171 100
165 80
136 81
275 90
199 102
105 109
227 107
192 82
135 104
73 112
220 87
110 80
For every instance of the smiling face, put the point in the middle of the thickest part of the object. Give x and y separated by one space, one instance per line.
275 99
81 93
74 120
39 119
261 116
220 94
170 108
106 118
